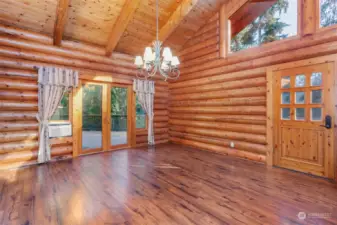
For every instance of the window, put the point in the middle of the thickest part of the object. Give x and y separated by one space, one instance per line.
301 97
119 116
261 22
62 111
328 12
140 116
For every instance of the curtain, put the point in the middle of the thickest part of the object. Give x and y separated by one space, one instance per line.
53 83
145 93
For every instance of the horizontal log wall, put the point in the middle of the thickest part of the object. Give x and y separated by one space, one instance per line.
217 101
18 125
21 54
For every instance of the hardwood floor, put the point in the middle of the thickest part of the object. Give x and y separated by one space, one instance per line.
171 185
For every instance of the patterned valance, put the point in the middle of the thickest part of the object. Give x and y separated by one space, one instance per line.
143 86
58 77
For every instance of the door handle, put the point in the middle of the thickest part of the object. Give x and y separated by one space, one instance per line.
327 121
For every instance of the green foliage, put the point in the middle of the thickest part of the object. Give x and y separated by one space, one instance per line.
265 28
62 111
141 116
119 108
92 100
92 107
328 12
119 101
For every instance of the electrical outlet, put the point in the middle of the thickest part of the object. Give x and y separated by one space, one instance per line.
232 144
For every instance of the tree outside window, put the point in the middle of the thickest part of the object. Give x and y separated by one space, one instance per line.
328 12
62 111
278 22
140 116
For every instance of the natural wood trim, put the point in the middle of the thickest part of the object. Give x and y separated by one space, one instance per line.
118 147
233 6
130 132
176 18
309 16
270 118
318 15
80 118
76 120
131 122
318 19
331 110
247 13
224 31
270 112
121 24
133 119
61 19
106 116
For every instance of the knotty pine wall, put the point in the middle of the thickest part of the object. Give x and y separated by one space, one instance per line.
21 53
217 101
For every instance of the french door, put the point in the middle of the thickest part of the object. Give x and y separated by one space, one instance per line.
104 117
304 114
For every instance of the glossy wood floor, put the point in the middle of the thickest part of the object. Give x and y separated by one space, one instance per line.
171 185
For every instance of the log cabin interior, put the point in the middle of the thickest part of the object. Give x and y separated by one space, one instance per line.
228 119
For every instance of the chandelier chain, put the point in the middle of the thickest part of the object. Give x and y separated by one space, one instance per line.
157 18
153 63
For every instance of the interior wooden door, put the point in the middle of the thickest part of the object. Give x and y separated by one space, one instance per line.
303 99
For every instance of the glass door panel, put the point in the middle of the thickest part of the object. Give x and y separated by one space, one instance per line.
91 117
119 116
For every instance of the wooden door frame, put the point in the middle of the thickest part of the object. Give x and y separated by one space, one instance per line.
270 102
77 113
80 121
129 116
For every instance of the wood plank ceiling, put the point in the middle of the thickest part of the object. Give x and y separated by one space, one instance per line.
125 26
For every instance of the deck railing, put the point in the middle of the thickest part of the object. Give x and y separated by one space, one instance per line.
94 122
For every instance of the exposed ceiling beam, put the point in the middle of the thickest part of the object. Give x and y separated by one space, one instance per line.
121 24
248 13
176 18
61 19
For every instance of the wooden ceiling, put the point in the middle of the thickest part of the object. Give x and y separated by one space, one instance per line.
125 26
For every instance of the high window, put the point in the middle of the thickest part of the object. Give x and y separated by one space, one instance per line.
62 111
261 22
328 12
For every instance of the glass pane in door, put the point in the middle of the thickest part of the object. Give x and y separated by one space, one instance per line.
119 118
92 117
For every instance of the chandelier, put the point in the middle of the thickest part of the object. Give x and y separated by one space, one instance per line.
157 59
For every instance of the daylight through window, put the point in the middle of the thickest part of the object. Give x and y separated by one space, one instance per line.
140 116
274 22
328 12
62 111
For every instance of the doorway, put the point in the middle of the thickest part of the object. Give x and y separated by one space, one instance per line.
105 116
303 108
